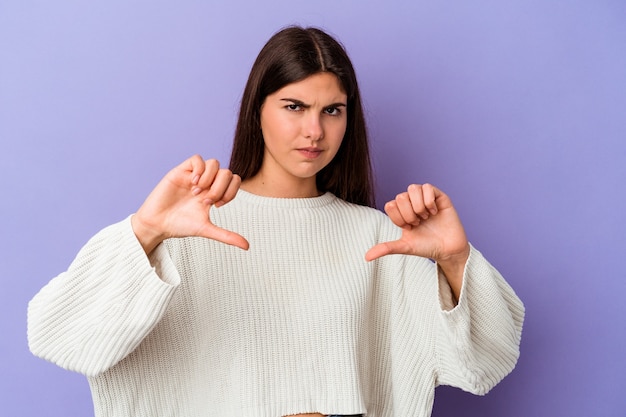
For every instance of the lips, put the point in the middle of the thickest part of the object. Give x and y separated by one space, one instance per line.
310 152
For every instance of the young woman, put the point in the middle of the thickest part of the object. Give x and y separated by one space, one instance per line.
272 288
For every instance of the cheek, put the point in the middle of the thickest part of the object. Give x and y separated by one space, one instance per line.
275 128
336 134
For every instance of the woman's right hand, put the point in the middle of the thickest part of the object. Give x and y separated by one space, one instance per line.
179 205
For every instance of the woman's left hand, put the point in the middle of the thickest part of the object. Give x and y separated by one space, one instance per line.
431 228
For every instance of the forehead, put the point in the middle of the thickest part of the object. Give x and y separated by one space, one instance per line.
323 86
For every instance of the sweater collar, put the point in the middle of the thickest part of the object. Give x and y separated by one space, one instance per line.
311 202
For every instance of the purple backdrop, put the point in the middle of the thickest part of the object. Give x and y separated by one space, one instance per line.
517 109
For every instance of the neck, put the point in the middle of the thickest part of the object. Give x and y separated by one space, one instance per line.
300 188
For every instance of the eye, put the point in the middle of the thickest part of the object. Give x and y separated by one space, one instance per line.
332 111
293 107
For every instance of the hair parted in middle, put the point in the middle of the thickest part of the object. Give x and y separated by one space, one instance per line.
291 55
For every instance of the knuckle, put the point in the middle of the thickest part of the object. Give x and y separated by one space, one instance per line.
212 163
235 181
225 173
213 195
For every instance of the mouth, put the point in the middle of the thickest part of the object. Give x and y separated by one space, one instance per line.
310 152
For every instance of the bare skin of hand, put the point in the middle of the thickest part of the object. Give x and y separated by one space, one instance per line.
431 228
179 205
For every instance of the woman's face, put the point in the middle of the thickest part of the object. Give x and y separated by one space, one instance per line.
303 125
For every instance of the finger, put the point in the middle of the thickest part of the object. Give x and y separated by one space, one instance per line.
196 165
226 236
231 191
385 248
211 167
220 184
429 197
406 208
391 208
415 192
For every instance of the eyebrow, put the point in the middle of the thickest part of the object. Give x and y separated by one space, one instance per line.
306 106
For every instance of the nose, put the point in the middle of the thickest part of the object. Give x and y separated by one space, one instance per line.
313 128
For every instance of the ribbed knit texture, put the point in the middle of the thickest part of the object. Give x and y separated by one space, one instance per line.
298 323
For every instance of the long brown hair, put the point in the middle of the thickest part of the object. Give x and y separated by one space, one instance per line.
292 55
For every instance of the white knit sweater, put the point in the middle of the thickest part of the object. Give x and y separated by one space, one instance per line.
298 323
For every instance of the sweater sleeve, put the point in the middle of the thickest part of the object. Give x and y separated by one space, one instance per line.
477 342
93 315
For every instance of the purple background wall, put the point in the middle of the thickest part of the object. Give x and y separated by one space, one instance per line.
517 109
